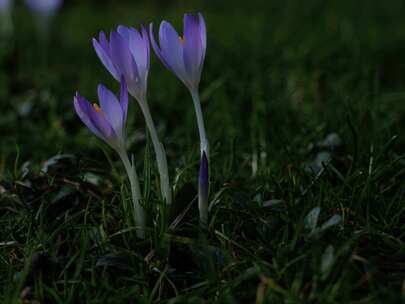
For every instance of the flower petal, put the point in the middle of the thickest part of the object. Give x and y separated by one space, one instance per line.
203 36
172 49
101 123
95 121
145 37
139 47
156 47
104 43
103 53
193 50
82 110
123 31
122 58
111 109
124 101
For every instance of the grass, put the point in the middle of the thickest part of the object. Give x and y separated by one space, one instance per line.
294 218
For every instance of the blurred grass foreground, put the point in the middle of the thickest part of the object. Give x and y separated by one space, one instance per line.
304 104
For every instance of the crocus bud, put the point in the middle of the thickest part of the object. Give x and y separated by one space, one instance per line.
44 7
203 190
183 55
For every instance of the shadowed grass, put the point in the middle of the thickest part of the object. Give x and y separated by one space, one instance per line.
305 112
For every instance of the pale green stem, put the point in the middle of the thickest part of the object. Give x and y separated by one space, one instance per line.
6 24
160 154
136 193
204 146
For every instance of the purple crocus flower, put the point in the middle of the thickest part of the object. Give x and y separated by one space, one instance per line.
183 55
203 190
126 53
107 120
44 7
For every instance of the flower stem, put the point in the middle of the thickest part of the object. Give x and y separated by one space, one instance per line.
136 193
204 146
160 154
203 184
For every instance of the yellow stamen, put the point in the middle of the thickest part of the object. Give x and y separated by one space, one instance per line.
97 108
181 39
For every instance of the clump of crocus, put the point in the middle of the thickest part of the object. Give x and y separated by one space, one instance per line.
6 25
5 6
126 53
107 121
184 56
45 8
44 11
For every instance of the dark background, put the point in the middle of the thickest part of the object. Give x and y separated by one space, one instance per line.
273 70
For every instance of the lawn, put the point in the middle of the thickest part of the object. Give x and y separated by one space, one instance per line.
304 105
